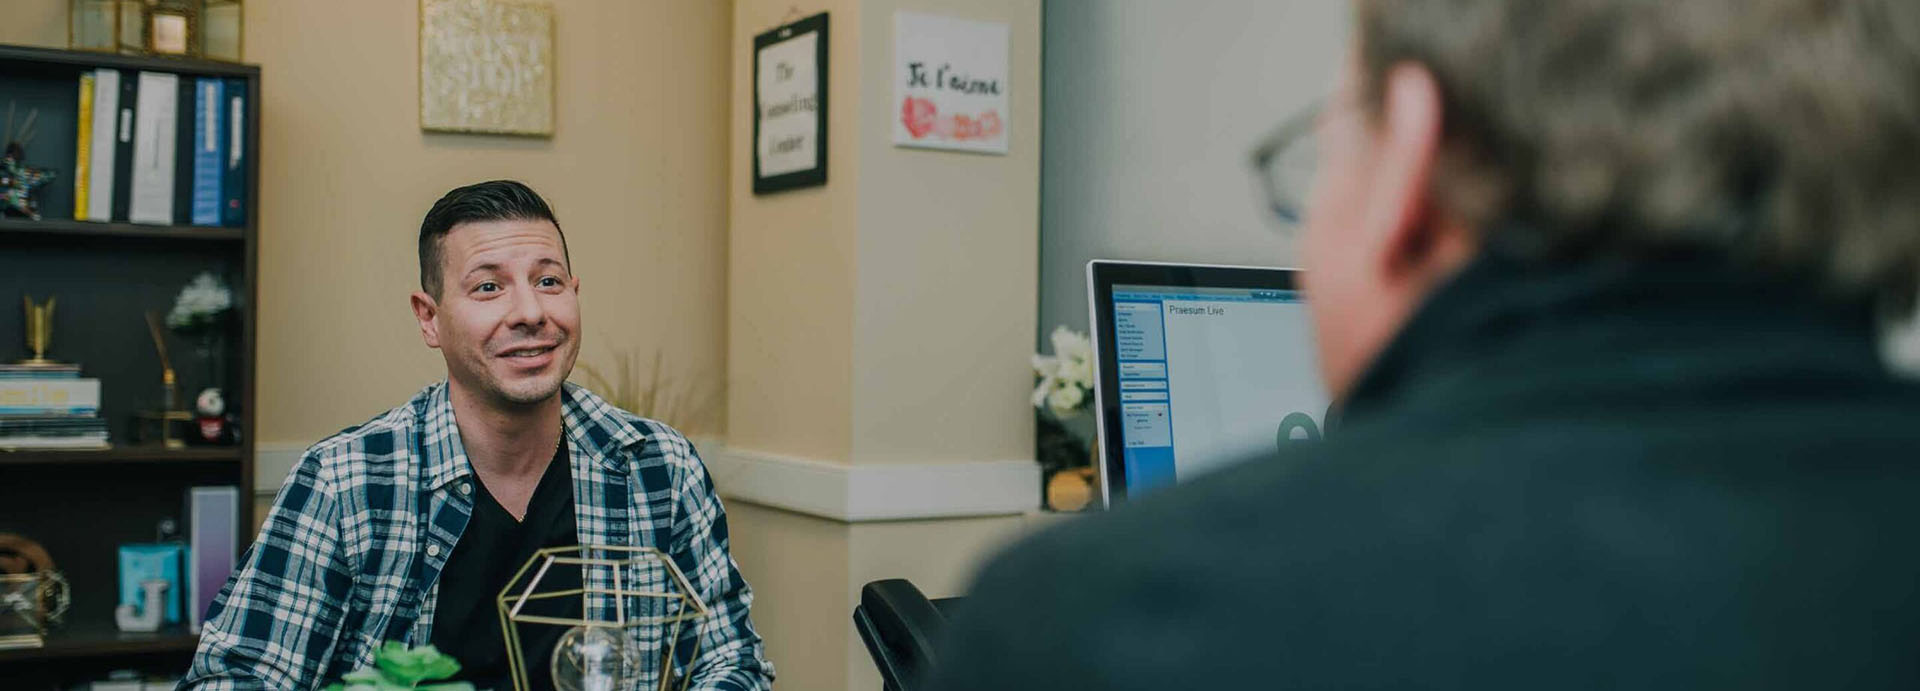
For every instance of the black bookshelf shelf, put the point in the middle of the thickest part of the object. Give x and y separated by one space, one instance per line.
56 228
92 638
123 454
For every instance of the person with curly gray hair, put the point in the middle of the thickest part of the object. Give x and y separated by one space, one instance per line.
1595 284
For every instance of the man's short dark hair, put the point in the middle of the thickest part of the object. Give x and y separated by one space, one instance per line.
494 200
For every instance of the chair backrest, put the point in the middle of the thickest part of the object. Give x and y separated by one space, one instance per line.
899 626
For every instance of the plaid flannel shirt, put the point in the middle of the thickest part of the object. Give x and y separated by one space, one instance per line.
351 552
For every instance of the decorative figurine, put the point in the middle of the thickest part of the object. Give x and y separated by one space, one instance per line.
212 422
19 183
146 615
33 595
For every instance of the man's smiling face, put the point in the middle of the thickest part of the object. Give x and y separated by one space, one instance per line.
507 318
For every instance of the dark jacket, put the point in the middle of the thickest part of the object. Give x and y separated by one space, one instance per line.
1610 475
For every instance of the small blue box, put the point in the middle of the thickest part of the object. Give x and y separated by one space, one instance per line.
153 561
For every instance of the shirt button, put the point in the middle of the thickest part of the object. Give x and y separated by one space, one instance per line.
466 488
433 550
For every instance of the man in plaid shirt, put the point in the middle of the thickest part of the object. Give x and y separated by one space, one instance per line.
407 527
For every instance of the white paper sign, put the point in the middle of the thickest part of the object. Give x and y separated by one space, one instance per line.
789 92
950 83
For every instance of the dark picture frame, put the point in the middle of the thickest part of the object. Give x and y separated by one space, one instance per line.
817 175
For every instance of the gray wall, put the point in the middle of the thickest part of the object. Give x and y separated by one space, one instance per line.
1150 107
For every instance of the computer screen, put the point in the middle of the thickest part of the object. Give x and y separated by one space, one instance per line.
1200 376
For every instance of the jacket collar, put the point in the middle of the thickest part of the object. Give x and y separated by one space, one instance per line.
592 425
1682 316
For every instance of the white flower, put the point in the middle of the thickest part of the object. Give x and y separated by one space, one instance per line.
203 300
1075 354
1066 377
1068 343
1065 401
1079 371
1041 391
1046 366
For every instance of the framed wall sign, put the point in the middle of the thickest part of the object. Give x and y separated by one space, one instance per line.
486 66
790 106
950 83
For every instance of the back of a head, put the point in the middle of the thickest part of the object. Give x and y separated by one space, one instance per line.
1781 134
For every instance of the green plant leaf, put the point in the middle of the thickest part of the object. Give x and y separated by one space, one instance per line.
399 668
409 667
364 675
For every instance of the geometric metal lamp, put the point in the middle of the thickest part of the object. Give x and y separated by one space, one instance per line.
629 596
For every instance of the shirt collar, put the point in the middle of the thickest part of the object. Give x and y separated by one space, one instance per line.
593 426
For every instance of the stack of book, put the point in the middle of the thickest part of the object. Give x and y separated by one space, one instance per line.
49 407
161 148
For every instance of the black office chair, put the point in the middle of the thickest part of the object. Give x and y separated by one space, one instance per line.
899 626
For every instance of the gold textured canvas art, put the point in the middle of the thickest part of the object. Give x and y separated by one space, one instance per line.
486 66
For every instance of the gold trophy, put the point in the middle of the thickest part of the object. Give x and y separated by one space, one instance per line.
170 412
39 330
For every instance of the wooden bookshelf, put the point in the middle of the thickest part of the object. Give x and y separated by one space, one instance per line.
100 638
56 229
123 454
82 505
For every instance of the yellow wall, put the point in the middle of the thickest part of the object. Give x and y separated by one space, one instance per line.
870 317
791 264
884 318
799 567
948 247
634 171
791 274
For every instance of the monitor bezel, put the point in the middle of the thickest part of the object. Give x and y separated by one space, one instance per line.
1102 276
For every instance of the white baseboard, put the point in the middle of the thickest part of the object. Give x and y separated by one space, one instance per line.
875 491
837 491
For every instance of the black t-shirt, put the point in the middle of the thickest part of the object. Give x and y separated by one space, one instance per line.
466 622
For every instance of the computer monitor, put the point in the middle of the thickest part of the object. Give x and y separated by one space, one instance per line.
1198 367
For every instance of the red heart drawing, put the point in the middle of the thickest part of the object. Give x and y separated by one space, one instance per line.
919 115
990 124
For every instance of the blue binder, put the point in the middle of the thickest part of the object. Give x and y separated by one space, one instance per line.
209 150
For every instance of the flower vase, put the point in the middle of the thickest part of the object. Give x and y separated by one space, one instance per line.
212 356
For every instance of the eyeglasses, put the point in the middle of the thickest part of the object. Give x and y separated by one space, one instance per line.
1285 160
